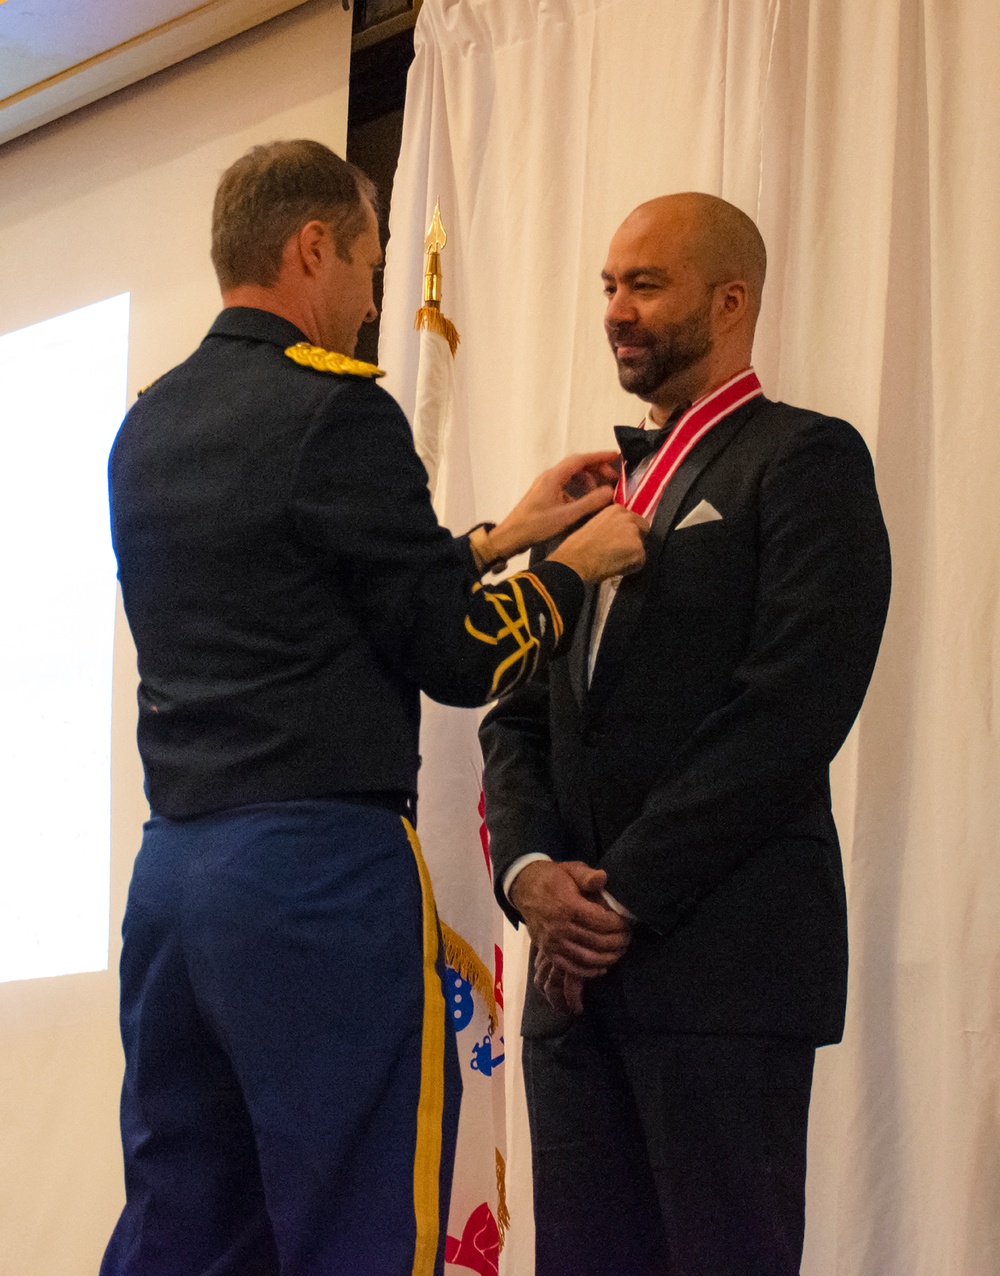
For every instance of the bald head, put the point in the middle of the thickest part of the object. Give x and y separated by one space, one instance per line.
683 279
719 238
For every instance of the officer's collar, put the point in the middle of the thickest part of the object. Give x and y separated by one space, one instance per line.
257 325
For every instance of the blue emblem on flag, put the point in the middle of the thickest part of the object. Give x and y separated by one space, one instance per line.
458 994
483 1058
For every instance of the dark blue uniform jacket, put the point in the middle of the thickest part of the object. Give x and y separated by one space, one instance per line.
288 586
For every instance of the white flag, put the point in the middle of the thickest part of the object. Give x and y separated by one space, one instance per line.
456 846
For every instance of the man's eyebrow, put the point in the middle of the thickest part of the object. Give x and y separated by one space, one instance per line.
652 272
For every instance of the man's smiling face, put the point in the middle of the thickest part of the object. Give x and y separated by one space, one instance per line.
659 312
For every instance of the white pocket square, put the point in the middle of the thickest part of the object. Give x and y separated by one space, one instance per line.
703 512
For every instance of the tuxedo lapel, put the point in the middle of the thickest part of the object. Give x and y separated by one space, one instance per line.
627 606
580 649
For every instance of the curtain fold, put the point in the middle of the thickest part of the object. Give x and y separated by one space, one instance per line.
862 138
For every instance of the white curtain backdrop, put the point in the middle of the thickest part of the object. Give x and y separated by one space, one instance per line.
863 138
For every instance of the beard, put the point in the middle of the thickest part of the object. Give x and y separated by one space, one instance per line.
664 354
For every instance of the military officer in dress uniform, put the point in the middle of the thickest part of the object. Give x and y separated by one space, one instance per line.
291 1087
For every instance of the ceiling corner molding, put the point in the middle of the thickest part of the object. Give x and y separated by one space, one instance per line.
171 42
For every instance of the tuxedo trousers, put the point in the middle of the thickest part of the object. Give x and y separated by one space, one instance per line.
291 1092
679 1155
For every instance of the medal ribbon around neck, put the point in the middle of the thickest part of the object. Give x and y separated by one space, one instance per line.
693 426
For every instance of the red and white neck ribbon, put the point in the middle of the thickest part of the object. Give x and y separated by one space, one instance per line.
696 422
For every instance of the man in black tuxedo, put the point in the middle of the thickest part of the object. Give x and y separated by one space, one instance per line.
659 807
291 1086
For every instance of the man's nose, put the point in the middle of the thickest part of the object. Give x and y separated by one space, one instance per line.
619 309
372 314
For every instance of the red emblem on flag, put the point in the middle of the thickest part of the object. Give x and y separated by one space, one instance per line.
484 833
479 1248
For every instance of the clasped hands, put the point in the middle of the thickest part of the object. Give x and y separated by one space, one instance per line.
581 487
577 935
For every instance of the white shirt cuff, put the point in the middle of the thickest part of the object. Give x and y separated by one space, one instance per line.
521 862
616 906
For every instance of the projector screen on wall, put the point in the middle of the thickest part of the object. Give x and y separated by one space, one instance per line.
62 397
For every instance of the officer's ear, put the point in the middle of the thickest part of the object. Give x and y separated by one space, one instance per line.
310 246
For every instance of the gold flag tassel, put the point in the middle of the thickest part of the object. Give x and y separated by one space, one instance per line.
503 1213
465 961
429 315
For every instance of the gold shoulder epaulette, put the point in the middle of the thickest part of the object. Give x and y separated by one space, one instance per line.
141 392
329 361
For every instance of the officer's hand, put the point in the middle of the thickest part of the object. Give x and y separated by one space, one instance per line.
610 544
570 491
570 924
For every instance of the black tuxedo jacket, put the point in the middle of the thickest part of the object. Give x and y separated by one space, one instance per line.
695 767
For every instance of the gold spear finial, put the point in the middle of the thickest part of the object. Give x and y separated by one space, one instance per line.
436 235
429 317
435 241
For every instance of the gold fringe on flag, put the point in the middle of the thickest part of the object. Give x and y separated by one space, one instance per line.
503 1213
463 958
431 319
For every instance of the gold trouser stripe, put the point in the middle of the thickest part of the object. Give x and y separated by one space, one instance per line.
430 1108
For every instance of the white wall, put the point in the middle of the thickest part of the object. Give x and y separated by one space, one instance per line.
114 199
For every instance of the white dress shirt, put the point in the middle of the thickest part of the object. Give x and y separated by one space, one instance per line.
605 597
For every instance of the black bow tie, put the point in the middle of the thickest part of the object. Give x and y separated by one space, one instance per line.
637 444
